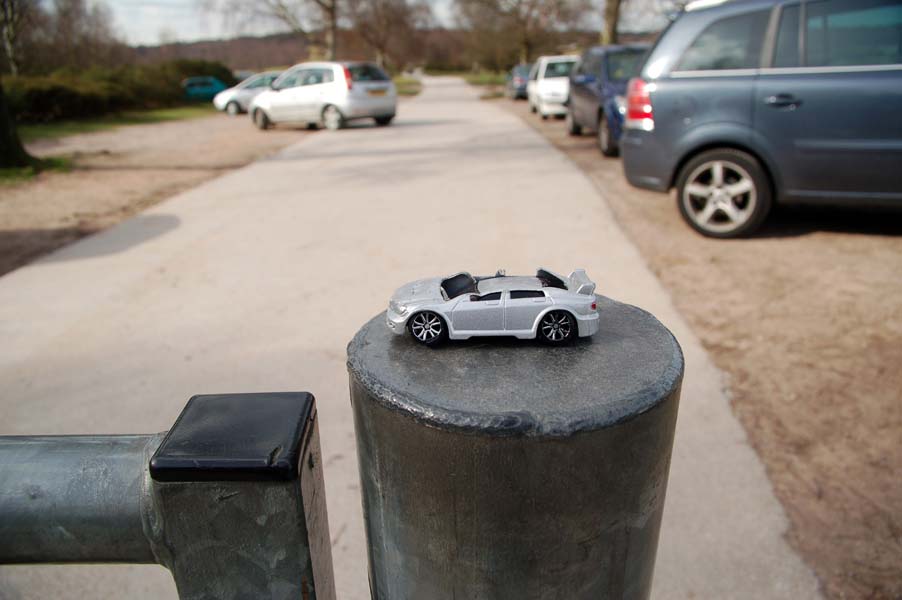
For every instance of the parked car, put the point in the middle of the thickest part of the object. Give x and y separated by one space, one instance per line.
598 92
202 88
516 81
235 100
547 306
327 93
549 85
743 104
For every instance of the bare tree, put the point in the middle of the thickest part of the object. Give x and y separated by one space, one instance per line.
528 21
299 16
12 153
13 17
611 19
389 27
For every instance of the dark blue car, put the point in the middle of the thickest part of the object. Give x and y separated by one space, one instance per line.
750 103
598 89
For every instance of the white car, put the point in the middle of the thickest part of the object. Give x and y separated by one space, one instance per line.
237 99
549 85
546 306
328 94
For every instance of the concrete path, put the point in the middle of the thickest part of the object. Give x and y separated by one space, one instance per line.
257 280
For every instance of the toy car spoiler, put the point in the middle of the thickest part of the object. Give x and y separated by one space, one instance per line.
580 283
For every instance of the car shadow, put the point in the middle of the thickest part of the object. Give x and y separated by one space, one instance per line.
796 221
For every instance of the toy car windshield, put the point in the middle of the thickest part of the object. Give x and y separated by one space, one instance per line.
462 283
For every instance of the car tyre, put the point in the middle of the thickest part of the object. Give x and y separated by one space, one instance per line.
384 121
532 108
332 118
233 108
261 120
606 143
573 128
557 327
427 328
724 193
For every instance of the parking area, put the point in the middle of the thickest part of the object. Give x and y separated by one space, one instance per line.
805 319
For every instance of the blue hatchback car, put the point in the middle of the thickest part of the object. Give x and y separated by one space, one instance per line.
598 89
746 103
202 88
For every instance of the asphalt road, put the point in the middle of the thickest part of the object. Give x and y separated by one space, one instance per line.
258 279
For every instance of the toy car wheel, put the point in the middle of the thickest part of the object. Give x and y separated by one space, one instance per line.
573 128
723 193
233 108
332 118
557 327
261 120
427 328
606 143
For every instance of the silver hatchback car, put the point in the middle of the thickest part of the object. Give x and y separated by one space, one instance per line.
546 306
328 94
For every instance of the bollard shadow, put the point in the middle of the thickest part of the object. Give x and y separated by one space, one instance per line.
126 235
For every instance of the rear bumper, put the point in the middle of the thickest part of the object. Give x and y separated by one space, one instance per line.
361 108
552 107
646 162
587 324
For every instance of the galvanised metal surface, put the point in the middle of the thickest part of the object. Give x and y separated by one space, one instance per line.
503 470
74 498
231 501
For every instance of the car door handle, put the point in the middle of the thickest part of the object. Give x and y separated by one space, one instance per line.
782 101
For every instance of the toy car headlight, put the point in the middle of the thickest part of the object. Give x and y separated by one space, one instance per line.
397 307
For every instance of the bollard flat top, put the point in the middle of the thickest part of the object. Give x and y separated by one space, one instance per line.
521 387
236 437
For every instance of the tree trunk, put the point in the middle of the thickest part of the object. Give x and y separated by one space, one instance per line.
12 154
611 17
332 41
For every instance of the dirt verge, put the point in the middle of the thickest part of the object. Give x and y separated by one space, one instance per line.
119 173
806 318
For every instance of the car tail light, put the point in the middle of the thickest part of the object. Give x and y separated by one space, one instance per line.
348 77
639 111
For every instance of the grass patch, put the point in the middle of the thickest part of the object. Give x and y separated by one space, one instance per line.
31 132
486 78
20 174
408 86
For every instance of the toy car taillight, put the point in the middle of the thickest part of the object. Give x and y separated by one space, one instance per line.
594 306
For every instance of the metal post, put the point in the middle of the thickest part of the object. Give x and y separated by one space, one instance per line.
231 500
507 469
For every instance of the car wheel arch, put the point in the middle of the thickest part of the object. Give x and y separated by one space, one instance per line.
766 165
553 308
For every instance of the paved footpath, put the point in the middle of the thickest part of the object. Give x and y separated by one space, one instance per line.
258 279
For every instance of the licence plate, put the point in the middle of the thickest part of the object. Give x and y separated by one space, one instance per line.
377 92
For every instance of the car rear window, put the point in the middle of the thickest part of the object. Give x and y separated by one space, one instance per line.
367 72
623 66
558 69
730 43
853 32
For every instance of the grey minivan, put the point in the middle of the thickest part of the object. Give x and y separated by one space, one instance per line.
744 103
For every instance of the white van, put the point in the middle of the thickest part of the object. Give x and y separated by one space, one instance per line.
549 85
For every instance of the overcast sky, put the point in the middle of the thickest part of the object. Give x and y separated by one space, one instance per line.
147 21
151 21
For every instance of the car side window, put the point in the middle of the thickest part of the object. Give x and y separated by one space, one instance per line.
853 32
488 297
786 53
317 76
730 43
516 295
290 80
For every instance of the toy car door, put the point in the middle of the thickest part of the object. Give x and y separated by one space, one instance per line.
479 313
522 309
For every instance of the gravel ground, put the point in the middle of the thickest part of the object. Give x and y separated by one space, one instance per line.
806 318
119 173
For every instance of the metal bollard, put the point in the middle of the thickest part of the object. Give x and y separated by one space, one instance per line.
230 500
499 470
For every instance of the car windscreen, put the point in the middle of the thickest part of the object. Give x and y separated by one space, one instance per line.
367 72
559 68
462 283
623 66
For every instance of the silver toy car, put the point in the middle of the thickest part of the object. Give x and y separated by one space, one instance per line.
547 306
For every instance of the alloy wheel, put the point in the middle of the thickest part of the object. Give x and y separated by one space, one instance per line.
719 196
426 327
332 118
556 326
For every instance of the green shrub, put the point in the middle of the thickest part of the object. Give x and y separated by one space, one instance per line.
67 94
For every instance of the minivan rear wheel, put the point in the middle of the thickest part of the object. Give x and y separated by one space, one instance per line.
724 193
573 128
606 143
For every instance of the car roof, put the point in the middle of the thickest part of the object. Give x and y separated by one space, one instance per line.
503 284
558 58
610 49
